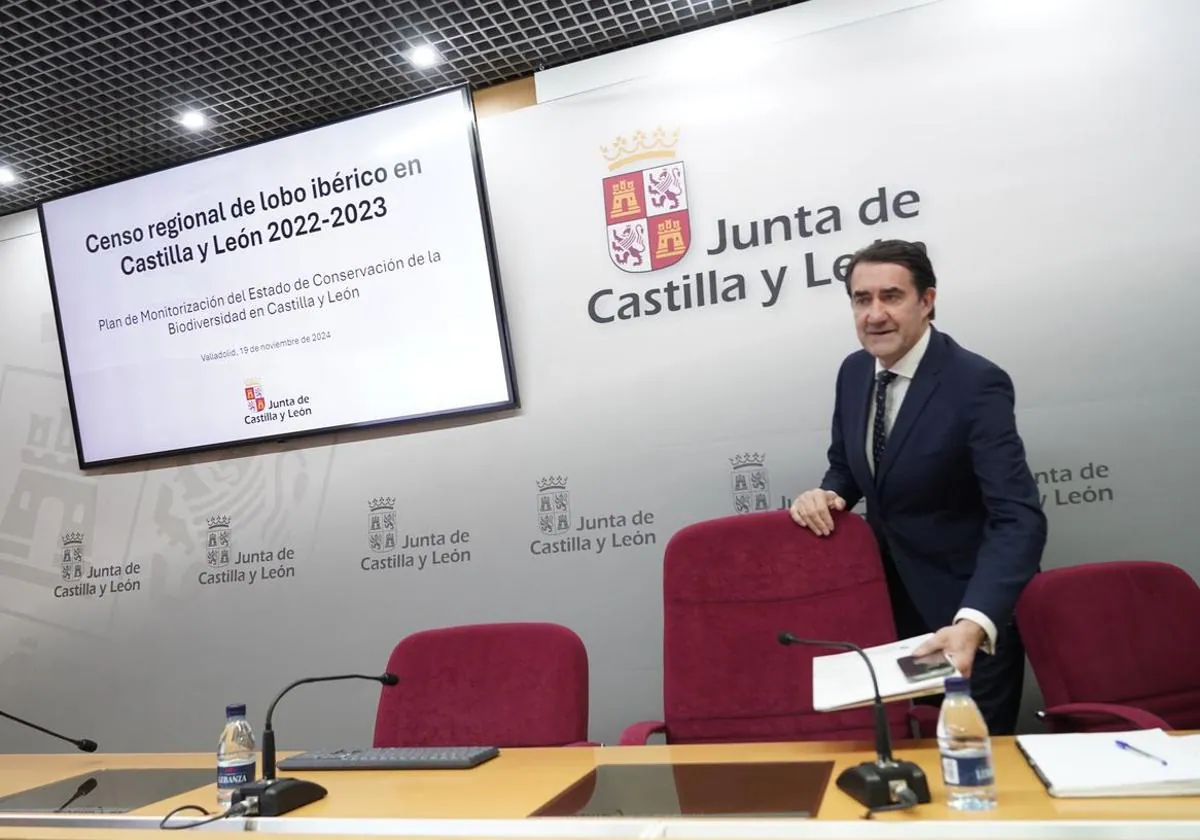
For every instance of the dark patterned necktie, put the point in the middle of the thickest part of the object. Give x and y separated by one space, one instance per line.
879 433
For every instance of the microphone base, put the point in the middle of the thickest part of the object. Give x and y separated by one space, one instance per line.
874 784
279 796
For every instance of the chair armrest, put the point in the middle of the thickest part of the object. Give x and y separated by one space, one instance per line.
1058 717
926 718
639 734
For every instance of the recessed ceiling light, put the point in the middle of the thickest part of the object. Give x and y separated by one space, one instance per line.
7 176
424 56
192 119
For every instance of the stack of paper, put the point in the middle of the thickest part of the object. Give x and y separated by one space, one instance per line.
842 681
1146 762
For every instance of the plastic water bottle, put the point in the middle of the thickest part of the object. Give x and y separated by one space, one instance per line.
236 764
966 750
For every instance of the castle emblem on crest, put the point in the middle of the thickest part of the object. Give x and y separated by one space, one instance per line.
381 524
751 483
72 556
646 209
219 545
553 505
254 396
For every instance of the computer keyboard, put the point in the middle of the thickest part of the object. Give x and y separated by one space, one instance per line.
391 758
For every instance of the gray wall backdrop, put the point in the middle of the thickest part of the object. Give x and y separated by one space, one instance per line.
1052 149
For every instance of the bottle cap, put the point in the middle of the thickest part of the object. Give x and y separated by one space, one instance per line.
235 710
958 685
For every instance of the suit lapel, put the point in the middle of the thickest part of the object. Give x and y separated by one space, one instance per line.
924 383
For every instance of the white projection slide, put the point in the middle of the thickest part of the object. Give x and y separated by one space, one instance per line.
342 276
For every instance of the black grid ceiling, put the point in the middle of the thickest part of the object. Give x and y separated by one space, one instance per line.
91 90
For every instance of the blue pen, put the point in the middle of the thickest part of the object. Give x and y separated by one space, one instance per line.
1125 746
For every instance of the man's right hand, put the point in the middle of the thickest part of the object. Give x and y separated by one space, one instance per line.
812 510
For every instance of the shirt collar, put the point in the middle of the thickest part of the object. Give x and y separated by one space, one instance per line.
908 363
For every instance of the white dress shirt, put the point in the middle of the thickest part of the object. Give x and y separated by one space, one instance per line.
905 368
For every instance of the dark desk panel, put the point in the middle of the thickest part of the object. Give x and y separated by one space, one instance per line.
769 789
108 791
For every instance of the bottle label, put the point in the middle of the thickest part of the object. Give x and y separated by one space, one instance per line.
236 775
967 771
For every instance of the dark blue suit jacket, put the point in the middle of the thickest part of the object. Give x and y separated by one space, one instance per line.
954 499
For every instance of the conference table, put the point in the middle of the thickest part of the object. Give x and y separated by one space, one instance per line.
632 792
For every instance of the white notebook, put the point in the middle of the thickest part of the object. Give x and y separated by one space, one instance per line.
842 681
1092 764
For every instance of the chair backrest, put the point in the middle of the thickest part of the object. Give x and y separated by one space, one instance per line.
1122 632
730 587
521 684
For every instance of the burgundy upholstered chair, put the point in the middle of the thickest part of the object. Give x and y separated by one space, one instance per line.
730 587
1114 645
503 685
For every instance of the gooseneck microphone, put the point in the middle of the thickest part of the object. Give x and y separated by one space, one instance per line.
268 744
279 796
85 744
83 790
885 783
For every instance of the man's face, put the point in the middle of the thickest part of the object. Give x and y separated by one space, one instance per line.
888 313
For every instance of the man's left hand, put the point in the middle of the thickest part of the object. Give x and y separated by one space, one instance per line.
958 642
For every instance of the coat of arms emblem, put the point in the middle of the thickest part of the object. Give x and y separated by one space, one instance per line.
646 209
751 483
553 505
381 524
254 396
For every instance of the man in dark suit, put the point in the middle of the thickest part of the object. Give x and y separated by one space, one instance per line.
925 431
